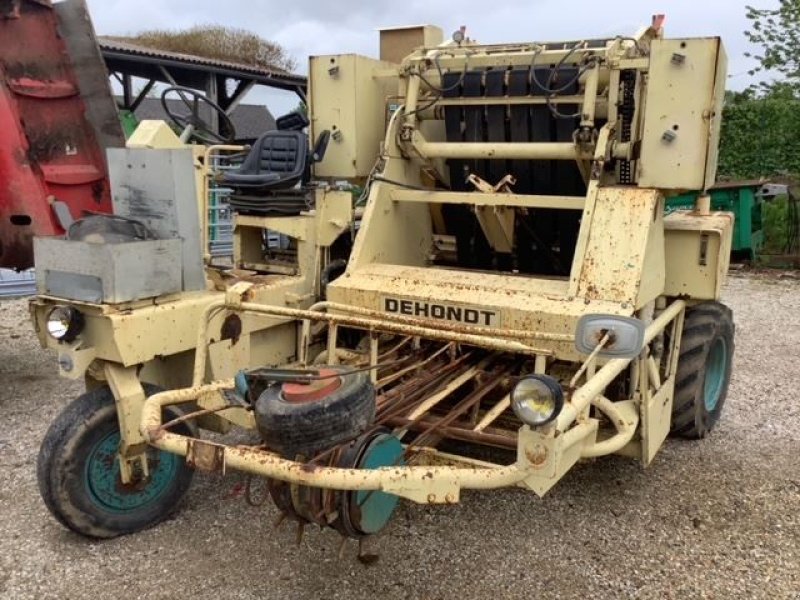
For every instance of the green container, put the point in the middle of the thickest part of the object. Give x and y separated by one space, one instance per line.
128 121
740 199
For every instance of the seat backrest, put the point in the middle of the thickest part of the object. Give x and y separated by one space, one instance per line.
281 152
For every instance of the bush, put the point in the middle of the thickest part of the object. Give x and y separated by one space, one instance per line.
217 42
760 138
775 214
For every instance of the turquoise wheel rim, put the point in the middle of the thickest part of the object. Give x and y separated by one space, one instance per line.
716 367
376 508
106 490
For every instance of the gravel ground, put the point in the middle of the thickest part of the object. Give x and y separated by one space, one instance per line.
719 518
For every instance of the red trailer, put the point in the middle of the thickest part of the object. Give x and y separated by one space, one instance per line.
56 118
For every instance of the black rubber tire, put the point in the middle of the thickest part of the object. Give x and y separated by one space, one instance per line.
703 325
307 428
62 461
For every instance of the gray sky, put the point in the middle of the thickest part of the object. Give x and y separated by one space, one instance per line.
306 27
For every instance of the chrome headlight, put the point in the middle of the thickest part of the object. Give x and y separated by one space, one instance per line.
64 323
537 399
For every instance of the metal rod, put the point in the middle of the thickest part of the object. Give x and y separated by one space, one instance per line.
462 407
373 357
511 100
624 416
523 56
206 174
590 97
590 358
417 414
451 387
408 394
652 370
417 365
495 199
402 481
412 97
527 150
493 413
595 386
456 433
511 333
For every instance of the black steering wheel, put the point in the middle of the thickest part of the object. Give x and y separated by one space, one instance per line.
201 130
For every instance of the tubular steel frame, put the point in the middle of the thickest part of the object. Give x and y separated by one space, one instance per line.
425 484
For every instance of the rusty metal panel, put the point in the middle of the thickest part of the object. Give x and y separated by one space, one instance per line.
75 28
698 249
683 109
624 258
349 101
109 273
205 456
157 188
508 301
48 148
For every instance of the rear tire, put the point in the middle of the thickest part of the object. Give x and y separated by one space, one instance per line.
78 472
704 369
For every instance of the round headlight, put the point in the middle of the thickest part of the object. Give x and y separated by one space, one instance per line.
537 399
64 323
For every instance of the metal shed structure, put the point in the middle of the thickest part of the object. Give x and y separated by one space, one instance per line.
224 82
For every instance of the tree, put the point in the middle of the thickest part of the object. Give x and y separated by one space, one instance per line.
217 42
777 32
760 135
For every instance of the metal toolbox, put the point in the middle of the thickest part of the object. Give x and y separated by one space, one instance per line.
107 273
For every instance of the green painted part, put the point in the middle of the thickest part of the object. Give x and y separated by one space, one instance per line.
129 122
102 479
716 367
748 235
376 508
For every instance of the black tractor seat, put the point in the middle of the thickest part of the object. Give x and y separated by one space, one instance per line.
273 178
278 203
277 160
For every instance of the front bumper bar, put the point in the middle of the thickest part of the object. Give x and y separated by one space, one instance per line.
543 456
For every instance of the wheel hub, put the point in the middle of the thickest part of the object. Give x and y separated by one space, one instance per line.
715 373
354 514
105 486
299 392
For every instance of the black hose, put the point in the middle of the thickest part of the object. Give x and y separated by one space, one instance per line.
325 276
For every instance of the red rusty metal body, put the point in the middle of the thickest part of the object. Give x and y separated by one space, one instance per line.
48 148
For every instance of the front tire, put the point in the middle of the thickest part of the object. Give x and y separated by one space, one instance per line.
704 369
79 474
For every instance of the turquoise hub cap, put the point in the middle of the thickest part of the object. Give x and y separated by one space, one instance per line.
105 487
376 508
716 367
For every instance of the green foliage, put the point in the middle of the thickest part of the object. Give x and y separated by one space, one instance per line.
761 125
776 225
777 32
217 42
760 135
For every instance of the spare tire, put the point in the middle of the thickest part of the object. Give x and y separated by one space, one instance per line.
305 426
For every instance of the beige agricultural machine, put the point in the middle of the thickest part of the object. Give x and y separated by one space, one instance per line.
504 298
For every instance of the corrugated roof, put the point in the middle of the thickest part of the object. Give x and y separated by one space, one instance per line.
111 44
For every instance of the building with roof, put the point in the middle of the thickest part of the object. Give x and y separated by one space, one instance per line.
224 82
